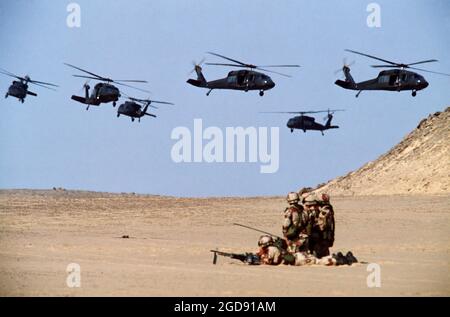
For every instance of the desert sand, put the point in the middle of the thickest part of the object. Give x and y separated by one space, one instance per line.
167 254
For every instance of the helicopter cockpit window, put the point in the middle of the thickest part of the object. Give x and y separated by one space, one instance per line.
241 78
231 79
384 79
393 79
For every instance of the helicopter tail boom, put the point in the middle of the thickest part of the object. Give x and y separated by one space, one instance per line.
145 113
328 123
201 80
349 82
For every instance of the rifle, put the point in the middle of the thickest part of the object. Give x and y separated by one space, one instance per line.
258 230
281 242
248 258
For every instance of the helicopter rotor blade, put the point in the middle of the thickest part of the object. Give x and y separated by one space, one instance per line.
34 83
129 81
221 64
150 101
344 63
195 64
303 112
42 83
88 77
374 57
241 64
272 71
268 66
384 66
86 83
5 72
293 112
230 59
140 89
85 71
429 71
423 62
162 102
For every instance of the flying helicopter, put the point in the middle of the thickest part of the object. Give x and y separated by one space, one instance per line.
133 108
305 123
243 79
396 79
103 91
19 89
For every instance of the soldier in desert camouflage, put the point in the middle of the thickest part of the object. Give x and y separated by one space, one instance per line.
303 193
321 217
270 254
296 227
306 258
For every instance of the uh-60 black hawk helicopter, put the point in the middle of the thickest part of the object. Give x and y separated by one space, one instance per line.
397 79
306 123
104 91
137 108
244 79
19 89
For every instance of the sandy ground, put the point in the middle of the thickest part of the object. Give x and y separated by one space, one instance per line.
41 232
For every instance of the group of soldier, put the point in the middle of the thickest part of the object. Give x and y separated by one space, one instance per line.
308 234
308 231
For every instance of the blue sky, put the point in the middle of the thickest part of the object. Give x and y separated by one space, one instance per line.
51 140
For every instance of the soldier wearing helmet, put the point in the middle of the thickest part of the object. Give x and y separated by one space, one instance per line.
303 193
326 219
268 253
322 225
295 224
306 258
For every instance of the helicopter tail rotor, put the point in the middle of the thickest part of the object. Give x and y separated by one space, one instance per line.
197 66
345 67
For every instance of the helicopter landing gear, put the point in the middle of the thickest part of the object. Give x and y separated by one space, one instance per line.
114 103
209 92
261 93
322 133
292 130
87 108
22 100
414 93
132 119
118 115
139 120
6 96
357 95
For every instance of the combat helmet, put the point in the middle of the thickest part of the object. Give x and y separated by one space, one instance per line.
292 197
325 198
265 241
303 193
311 199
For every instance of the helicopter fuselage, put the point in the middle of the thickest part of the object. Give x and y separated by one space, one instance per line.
394 80
134 110
18 89
243 79
388 80
131 109
104 93
309 123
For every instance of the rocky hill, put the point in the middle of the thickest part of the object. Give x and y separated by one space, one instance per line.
419 164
